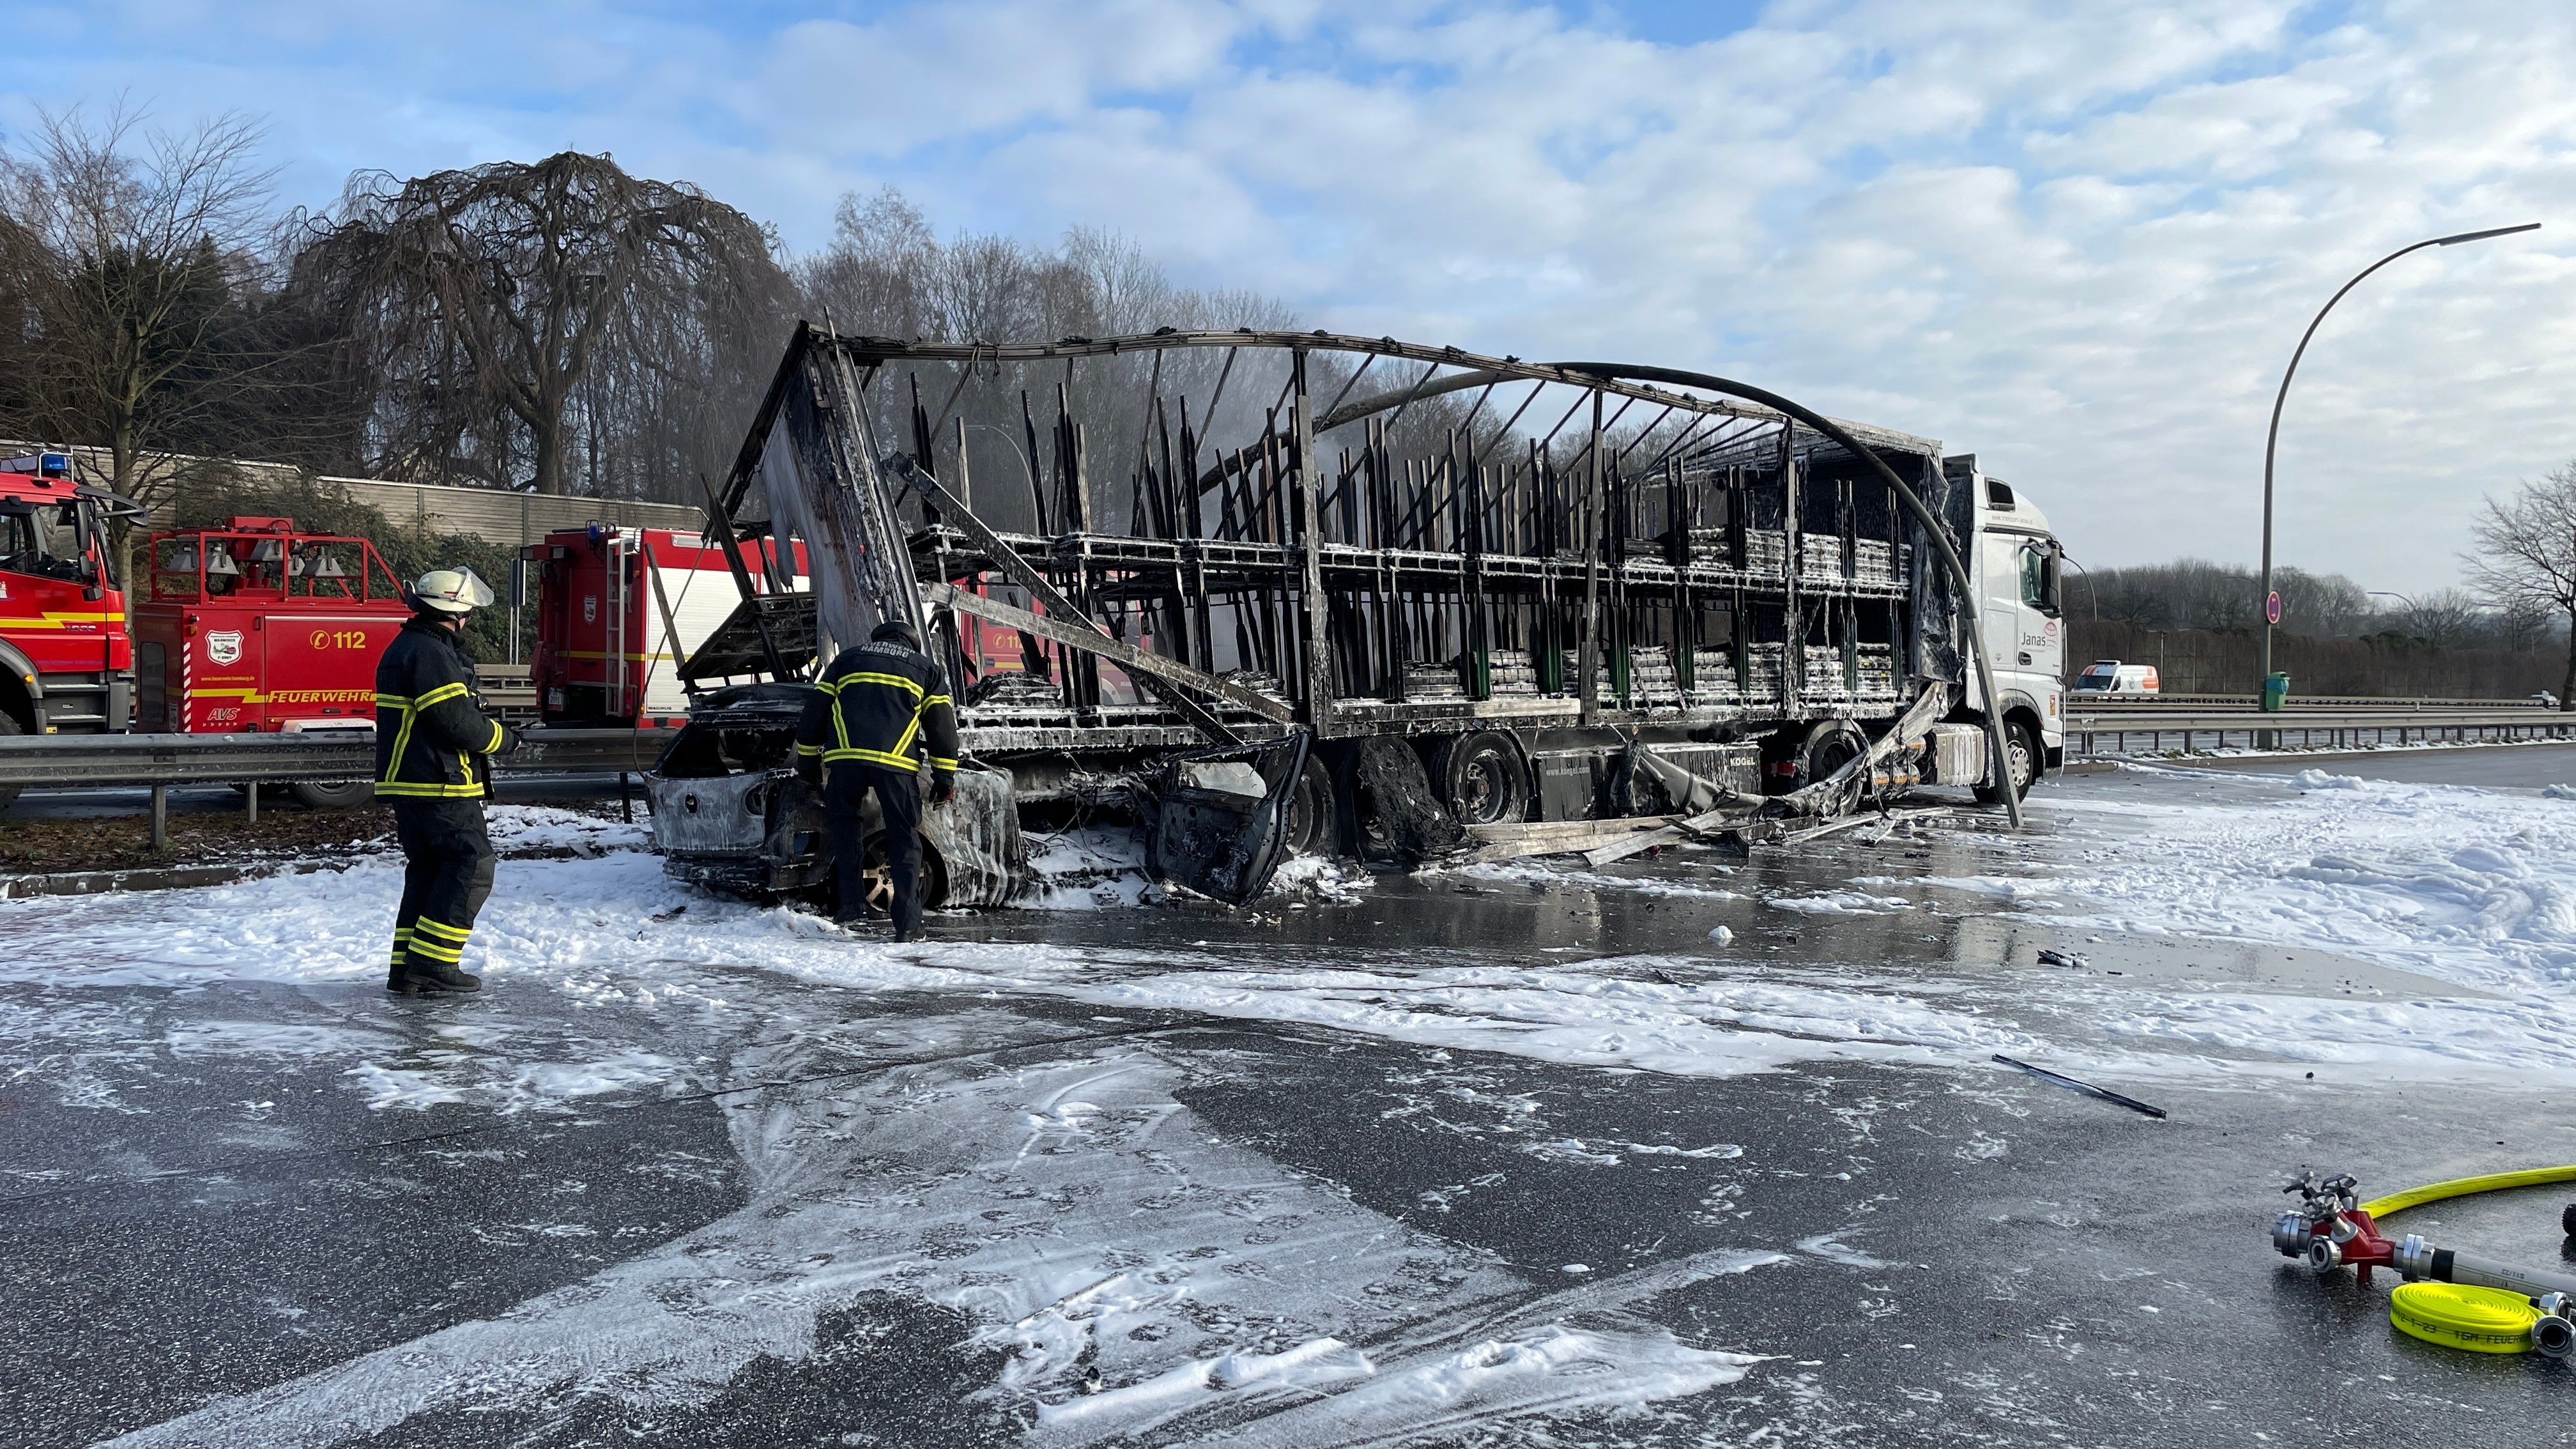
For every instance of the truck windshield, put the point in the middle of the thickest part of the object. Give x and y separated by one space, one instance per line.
44 541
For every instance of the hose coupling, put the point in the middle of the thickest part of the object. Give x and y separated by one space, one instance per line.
2414 1258
2323 1255
2290 1234
2553 1335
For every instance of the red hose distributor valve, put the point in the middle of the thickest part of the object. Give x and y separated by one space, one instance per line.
2330 1230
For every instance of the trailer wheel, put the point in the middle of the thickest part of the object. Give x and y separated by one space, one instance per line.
2021 756
1482 779
1830 745
331 795
1310 810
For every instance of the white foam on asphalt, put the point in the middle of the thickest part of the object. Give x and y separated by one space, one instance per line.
1086 1222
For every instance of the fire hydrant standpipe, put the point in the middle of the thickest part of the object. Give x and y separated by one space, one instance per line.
2453 1299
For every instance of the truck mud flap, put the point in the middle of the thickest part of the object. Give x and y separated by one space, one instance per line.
1220 818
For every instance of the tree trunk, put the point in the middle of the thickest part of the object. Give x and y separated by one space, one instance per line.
2567 685
550 463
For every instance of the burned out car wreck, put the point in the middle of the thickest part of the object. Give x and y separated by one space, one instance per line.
1269 593
731 814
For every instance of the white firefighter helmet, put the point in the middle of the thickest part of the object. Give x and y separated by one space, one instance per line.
451 591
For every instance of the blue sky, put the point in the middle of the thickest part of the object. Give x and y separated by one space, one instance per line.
2078 240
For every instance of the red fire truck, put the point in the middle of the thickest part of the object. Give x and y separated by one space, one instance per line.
251 625
247 625
618 608
66 665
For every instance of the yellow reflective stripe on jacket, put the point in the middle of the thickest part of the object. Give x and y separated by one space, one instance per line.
402 744
494 747
470 790
867 676
440 695
904 763
937 763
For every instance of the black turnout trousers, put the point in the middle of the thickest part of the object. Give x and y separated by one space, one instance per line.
898 793
447 875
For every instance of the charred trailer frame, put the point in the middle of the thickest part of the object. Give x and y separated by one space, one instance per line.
1570 591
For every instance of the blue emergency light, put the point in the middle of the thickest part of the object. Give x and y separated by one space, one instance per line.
42 465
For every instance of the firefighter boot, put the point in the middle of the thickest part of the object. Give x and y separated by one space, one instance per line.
426 977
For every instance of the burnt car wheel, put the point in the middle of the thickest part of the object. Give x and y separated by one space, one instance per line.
934 876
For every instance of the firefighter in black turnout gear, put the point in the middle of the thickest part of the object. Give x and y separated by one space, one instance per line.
434 749
876 717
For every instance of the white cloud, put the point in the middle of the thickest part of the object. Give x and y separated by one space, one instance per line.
2077 240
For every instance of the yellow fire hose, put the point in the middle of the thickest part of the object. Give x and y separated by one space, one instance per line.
2462 1315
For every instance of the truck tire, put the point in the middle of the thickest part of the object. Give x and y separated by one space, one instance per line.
1830 744
2021 754
1310 810
8 727
1482 779
331 795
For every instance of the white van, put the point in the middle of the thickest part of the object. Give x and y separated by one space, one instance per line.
2110 676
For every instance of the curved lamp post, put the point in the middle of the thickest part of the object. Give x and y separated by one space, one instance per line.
2272 439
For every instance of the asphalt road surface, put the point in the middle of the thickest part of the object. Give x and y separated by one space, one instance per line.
778 1211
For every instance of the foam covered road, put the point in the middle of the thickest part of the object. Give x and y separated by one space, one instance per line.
1513 1155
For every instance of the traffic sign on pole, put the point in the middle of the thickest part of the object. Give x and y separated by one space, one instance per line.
2272 607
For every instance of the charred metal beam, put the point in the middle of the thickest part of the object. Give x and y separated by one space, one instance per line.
1127 656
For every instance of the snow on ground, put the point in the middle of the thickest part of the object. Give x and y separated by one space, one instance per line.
2471 887
1193 1320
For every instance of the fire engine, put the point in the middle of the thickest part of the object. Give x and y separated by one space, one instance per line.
247 625
618 609
66 665
252 625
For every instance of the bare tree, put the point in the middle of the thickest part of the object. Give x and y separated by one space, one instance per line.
126 257
887 273
2526 556
491 305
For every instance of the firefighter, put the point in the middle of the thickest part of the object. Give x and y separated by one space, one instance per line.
434 749
877 715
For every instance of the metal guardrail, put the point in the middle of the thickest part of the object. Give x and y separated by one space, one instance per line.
2096 732
2232 702
93 761
161 761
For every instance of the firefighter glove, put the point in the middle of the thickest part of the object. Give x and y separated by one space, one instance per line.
943 786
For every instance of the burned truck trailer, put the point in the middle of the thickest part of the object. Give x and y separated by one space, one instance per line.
1527 592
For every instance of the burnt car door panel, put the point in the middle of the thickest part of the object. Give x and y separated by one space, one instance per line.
1220 817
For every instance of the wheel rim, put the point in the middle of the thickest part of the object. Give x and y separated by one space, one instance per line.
1484 788
928 877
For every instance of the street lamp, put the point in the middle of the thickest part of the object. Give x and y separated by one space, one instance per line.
2272 439
1014 445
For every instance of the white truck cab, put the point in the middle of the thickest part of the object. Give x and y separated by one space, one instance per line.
2020 577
